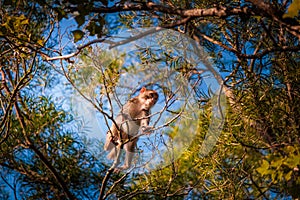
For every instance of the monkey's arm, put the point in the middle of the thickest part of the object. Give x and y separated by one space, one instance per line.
145 128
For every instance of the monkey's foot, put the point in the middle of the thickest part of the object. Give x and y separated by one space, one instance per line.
119 169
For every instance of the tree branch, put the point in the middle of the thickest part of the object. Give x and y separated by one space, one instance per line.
218 11
115 44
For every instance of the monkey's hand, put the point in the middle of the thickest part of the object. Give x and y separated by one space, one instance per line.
113 139
147 129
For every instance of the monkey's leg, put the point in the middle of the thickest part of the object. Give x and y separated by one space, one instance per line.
115 150
130 149
108 144
117 154
113 153
112 138
128 159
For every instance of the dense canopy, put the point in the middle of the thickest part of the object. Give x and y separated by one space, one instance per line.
226 125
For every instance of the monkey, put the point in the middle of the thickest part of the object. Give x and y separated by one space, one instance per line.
134 115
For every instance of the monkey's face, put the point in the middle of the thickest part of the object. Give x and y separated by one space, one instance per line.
148 98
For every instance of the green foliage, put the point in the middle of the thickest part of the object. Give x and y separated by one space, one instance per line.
40 149
256 156
282 167
25 27
96 71
63 148
13 24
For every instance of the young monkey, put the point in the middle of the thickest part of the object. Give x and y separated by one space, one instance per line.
134 115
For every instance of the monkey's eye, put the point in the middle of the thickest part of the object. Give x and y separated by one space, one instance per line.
151 95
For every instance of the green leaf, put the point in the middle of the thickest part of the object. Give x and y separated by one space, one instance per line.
293 10
78 35
288 176
92 28
80 19
105 2
61 13
277 164
264 168
293 161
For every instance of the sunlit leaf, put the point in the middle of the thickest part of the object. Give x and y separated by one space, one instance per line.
277 164
288 176
293 10
263 169
77 35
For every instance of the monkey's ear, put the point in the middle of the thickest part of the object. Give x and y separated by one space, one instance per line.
143 89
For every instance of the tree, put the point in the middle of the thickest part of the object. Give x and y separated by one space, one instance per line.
255 46
40 157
